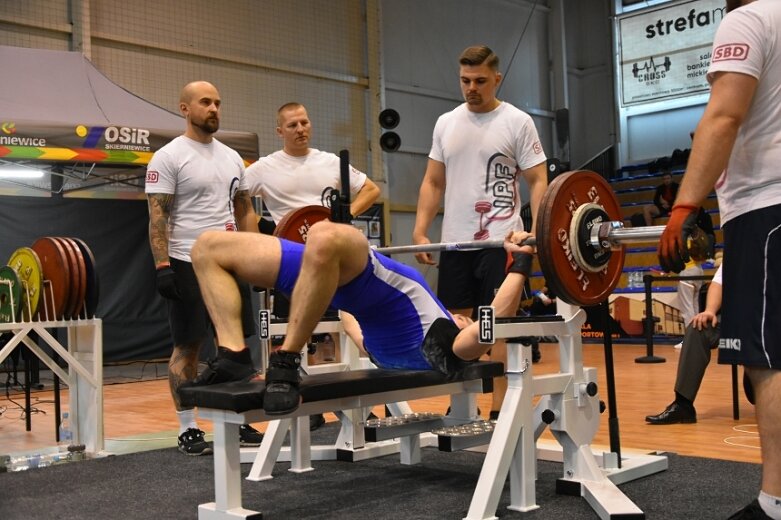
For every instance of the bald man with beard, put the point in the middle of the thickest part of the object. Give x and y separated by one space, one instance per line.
194 184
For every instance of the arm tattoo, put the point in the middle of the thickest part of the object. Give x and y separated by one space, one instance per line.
242 204
159 211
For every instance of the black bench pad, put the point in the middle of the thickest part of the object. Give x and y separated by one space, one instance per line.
241 397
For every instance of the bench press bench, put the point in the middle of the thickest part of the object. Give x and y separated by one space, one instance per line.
229 405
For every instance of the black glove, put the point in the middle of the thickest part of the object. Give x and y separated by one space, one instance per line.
522 263
166 283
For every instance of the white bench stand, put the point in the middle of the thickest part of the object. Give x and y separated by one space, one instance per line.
576 420
350 444
227 467
84 376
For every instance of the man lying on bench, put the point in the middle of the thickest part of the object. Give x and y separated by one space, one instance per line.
403 324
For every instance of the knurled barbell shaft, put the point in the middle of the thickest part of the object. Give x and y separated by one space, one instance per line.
617 235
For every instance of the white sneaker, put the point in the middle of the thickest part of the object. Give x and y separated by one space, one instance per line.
679 346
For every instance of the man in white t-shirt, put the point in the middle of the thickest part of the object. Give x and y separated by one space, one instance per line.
480 151
195 184
737 149
297 176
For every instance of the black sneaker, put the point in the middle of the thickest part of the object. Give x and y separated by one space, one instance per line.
282 380
225 368
753 511
316 421
249 436
191 443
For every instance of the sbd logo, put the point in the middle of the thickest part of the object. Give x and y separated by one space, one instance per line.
731 51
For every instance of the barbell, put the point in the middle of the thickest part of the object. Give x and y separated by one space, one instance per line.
580 237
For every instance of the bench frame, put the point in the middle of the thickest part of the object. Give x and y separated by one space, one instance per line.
227 470
513 446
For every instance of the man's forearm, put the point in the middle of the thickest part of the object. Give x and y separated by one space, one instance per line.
364 198
244 212
428 204
508 297
159 209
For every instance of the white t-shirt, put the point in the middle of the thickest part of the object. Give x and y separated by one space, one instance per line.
717 276
286 183
748 41
482 154
204 179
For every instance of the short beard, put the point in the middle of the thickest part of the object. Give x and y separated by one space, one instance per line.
209 126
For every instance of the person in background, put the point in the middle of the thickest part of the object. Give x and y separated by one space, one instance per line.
701 336
193 184
664 196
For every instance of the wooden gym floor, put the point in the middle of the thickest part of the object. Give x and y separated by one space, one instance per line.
140 415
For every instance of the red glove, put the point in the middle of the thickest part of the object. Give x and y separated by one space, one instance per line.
673 250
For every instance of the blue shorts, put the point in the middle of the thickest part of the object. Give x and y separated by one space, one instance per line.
751 328
391 301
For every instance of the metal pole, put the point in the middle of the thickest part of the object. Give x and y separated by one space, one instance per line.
612 406
444 246
649 325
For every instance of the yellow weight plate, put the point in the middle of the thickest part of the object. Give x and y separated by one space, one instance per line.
10 295
28 267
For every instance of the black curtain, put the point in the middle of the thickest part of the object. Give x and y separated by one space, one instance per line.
135 324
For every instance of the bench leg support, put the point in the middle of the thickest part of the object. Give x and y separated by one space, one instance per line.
227 477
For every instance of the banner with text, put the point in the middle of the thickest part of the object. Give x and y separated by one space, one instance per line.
665 53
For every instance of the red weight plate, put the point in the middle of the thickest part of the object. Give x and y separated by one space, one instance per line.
563 275
295 225
81 267
75 276
92 292
56 269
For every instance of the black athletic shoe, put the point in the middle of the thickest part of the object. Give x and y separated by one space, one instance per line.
249 436
224 369
753 511
282 380
316 421
191 443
